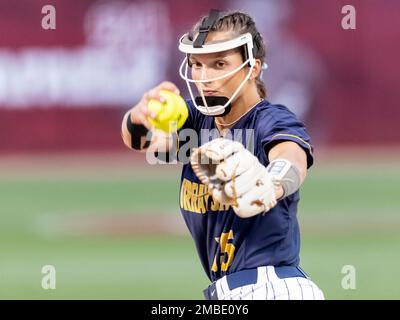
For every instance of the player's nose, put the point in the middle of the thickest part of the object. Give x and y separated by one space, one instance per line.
203 74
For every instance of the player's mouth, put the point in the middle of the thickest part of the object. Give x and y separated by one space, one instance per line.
210 92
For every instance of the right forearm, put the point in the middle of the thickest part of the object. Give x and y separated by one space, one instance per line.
133 135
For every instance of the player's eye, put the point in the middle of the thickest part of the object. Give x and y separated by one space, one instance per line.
195 64
220 64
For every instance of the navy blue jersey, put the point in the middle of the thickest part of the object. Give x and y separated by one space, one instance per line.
225 242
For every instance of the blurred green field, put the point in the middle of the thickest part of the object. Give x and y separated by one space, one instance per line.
349 215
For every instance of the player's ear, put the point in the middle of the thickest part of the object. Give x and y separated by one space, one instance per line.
256 69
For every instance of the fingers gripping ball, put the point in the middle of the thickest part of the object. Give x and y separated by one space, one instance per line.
234 176
170 115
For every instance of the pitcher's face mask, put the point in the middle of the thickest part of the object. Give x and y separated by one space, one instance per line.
214 105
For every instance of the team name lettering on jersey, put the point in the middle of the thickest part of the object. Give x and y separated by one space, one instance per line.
195 198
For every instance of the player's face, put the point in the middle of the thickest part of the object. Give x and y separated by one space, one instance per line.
212 65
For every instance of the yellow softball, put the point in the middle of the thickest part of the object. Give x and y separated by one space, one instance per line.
170 115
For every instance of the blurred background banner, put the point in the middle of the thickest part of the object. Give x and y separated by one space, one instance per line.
72 196
68 87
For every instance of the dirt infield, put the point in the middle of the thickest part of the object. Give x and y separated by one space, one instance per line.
149 223
172 224
125 165
133 160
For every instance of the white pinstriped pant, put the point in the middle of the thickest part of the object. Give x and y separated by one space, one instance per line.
270 287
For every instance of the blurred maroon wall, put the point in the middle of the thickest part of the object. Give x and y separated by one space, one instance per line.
355 105
358 102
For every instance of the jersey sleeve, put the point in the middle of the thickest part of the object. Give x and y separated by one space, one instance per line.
284 126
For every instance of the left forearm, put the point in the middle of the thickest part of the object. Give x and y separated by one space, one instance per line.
293 154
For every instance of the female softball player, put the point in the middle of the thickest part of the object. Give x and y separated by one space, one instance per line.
238 198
